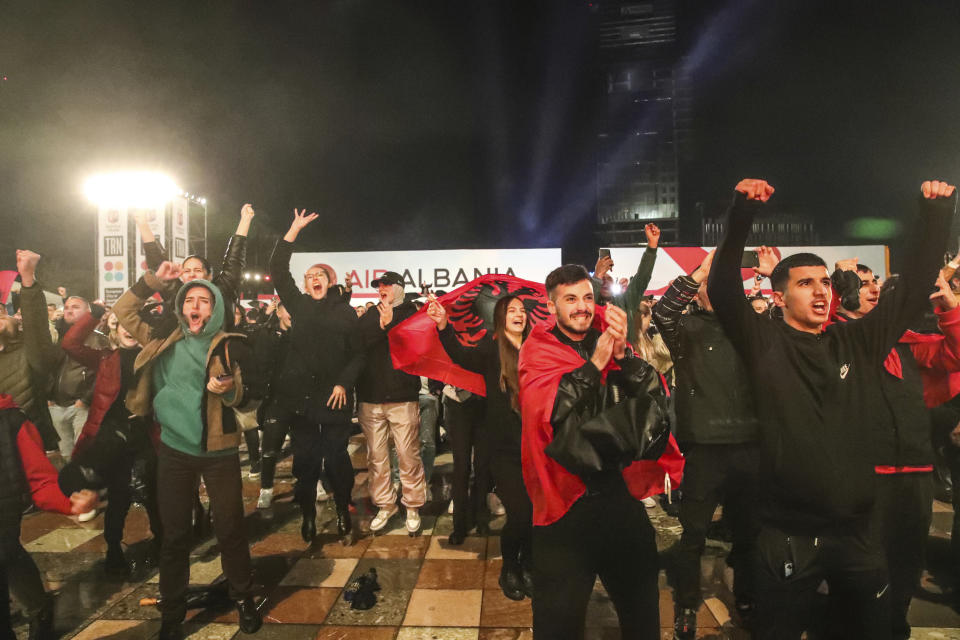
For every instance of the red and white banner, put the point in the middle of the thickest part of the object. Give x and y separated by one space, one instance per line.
676 261
443 270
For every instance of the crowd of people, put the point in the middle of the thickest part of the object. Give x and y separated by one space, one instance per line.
825 477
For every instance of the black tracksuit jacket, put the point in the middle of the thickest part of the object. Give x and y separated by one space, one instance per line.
819 393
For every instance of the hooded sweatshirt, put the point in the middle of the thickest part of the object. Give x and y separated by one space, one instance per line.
180 377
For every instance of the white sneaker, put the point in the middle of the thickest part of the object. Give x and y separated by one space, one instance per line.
266 498
322 495
88 516
413 520
650 502
494 505
383 517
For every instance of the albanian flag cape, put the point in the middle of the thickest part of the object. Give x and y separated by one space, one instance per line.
553 489
415 345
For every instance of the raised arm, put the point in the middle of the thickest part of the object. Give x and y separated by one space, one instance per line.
882 327
668 312
152 250
280 261
42 355
638 283
127 308
235 257
724 285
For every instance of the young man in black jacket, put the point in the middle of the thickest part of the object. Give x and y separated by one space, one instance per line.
314 394
389 405
717 430
817 416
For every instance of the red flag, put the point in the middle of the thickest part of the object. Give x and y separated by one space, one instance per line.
415 346
6 281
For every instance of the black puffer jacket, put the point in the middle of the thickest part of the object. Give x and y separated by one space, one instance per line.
380 382
714 400
323 351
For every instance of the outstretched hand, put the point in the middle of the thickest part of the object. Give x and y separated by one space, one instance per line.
755 189
944 296
83 501
300 220
767 260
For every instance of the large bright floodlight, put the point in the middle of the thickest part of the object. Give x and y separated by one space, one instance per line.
131 189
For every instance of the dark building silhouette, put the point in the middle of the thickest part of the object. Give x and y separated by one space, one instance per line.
645 126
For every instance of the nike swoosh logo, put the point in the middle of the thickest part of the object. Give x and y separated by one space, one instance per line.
882 591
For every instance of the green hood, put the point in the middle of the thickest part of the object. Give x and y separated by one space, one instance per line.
180 377
216 317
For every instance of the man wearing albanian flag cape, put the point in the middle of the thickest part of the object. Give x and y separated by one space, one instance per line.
587 515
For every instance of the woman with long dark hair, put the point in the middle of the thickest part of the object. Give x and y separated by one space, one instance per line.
496 358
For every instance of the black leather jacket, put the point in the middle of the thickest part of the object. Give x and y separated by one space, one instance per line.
630 400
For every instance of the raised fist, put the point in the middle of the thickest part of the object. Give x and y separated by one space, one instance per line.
247 211
755 189
169 270
933 189
27 265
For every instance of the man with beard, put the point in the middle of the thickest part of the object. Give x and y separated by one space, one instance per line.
591 524
194 376
817 417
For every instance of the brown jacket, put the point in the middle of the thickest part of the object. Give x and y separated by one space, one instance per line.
221 431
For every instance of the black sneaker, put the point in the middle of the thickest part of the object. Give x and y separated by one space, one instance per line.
255 468
249 615
685 624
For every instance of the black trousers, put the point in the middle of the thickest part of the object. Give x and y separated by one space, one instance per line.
715 474
316 449
470 445
516 538
179 477
901 517
609 535
18 576
790 569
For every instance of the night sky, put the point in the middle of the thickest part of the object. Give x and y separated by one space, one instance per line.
451 124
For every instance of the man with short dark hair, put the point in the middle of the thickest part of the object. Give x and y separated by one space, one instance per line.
817 415
589 523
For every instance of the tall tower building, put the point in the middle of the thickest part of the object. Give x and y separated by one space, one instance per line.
645 123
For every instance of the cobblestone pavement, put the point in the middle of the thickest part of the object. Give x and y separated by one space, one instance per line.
430 590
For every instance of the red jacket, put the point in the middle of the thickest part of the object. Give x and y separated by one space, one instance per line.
553 489
41 475
108 383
